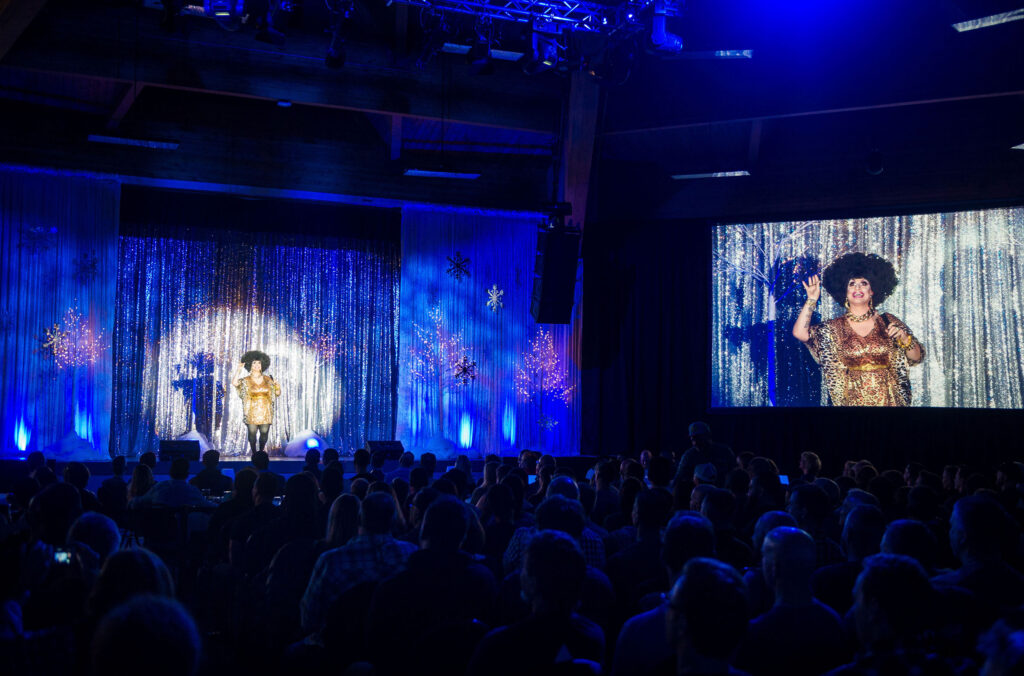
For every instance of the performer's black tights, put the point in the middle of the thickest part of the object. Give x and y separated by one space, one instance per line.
264 432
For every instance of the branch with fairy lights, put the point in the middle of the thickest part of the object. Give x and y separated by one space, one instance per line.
72 342
541 377
439 357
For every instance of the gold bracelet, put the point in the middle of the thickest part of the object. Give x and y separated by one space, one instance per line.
906 346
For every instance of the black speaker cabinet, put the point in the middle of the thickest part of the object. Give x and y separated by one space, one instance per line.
171 450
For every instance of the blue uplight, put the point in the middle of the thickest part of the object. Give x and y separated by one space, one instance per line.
22 435
465 431
508 423
312 443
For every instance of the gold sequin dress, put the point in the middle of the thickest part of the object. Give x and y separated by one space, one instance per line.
860 370
258 400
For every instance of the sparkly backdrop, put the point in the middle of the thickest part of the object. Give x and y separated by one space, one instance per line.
58 252
488 413
961 292
189 305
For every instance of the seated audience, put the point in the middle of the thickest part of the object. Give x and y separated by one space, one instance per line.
77 474
554 634
210 478
154 631
799 635
173 492
372 555
113 492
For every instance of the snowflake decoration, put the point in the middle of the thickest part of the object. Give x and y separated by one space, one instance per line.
72 342
546 422
465 371
86 268
36 238
458 267
494 295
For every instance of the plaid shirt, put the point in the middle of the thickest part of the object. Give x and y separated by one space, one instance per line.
590 544
363 559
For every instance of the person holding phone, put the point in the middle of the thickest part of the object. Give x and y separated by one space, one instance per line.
864 355
258 390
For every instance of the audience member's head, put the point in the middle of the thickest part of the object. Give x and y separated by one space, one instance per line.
127 573
330 455
418 478
564 486
700 434
96 531
52 511
142 480
651 509
607 472
117 464
313 458
705 474
35 460
211 459
149 630
77 474
360 487
913 539
687 536
376 514
377 459
855 497
768 522
911 471
743 460
698 494
892 600
428 461
552 574
980 529
491 473
264 489
342 520
498 504
719 507
300 497
862 532
707 614
148 459
737 482
561 514
831 489
406 460
810 464
421 503
245 479
179 469
361 459
444 526
332 482
788 559
261 461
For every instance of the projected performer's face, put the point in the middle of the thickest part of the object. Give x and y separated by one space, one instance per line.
858 291
257 367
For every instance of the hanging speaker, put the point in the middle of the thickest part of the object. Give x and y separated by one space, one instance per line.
554 275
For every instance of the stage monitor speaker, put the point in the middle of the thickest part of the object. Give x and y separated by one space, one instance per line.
554 276
173 449
393 449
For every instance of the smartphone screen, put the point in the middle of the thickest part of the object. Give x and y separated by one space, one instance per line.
61 557
783 479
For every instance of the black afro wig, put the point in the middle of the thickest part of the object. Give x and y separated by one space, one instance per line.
255 355
879 272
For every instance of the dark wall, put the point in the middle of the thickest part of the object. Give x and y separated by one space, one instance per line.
646 352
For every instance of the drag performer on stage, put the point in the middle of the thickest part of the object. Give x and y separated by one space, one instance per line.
865 356
258 390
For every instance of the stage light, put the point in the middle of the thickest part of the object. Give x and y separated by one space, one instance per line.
988 21
312 443
479 55
713 174
22 435
430 173
297 446
340 10
543 54
1018 147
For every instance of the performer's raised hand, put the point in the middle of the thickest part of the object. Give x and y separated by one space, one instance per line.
813 287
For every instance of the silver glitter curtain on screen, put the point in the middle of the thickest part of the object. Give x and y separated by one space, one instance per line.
326 313
961 292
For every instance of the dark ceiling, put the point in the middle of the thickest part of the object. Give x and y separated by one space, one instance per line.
829 84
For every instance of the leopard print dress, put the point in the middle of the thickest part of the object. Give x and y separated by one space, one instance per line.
862 370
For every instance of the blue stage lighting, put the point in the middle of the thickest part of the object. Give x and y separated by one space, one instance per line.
312 443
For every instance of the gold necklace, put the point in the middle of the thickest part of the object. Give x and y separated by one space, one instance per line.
860 318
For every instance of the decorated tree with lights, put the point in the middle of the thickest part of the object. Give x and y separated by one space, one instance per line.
541 376
72 342
440 358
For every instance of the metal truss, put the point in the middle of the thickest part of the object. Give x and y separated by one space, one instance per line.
578 15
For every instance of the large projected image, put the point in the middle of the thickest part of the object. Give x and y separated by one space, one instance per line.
920 310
